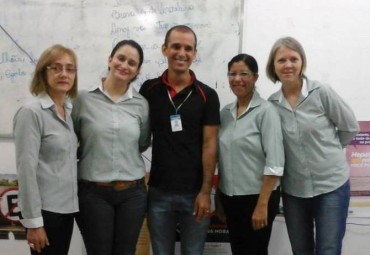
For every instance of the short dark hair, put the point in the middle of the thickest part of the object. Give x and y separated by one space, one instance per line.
181 28
247 59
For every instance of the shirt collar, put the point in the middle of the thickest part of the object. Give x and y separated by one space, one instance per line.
303 94
304 90
47 102
170 86
255 101
128 95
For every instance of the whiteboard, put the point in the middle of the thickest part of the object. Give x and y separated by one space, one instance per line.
93 27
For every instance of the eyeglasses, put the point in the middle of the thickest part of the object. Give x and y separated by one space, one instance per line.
241 75
57 69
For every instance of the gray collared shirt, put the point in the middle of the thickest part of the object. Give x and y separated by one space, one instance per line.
46 160
250 147
112 135
315 133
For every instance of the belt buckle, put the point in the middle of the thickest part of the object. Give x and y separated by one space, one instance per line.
120 185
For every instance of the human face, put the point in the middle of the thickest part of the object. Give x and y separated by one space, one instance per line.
288 66
180 51
124 65
61 75
241 80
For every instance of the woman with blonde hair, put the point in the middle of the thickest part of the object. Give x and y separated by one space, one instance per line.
317 124
46 148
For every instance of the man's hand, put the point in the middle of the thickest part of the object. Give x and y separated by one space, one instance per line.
202 206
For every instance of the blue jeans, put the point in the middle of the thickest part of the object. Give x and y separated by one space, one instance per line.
325 215
167 212
110 221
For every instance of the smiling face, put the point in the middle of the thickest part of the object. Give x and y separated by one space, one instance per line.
180 51
124 64
288 66
61 75
242 80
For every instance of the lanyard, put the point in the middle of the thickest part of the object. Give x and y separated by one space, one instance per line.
176 109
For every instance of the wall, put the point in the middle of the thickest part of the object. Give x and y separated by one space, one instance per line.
334 33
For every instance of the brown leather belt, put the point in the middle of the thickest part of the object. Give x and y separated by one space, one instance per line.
117 185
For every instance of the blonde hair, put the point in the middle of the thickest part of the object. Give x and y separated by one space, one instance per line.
39 82
290 43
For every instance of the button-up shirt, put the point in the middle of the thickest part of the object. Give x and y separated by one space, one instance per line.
112 135
315 133
46 161
250 146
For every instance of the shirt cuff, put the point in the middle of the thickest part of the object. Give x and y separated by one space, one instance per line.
278 171
346 137
33 223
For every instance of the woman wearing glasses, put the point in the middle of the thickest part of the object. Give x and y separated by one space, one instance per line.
46 148
112 125
317 124
251 161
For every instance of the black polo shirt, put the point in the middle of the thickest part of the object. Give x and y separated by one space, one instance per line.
177 156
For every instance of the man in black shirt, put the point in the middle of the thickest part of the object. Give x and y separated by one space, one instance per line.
185 118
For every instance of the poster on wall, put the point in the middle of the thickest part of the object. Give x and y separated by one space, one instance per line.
218 234
217 238
9 210
217 242
358 158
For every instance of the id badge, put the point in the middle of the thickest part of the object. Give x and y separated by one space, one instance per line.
176 123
